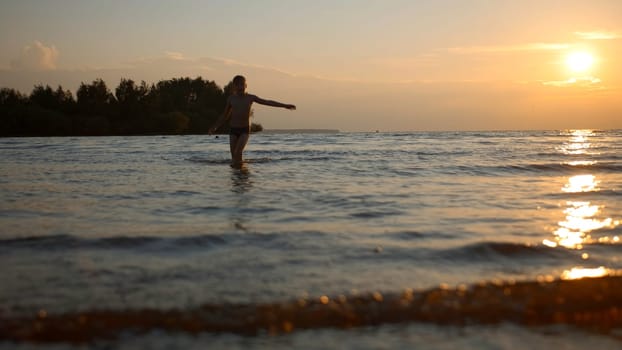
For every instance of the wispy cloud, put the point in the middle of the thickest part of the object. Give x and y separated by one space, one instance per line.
508 48
598 35
421 59
232 62
178 59
177 56
36 56
575 82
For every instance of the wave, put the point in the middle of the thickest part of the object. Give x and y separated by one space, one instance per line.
150 243
566 167
538 168
590 303
610 155
484 251
589 194
491 250
65 242
500 254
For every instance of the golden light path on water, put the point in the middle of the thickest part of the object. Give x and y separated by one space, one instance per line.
581 217
579 272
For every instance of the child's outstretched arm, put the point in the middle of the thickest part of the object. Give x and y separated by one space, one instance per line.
261 101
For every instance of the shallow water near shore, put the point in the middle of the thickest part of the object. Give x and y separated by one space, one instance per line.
163 224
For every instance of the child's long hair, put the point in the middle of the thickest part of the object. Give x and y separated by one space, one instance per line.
236 80
239 79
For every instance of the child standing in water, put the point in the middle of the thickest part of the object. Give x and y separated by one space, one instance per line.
238 108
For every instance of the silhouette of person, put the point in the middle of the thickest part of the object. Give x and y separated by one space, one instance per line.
238 108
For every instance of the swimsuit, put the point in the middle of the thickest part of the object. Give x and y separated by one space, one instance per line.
239 131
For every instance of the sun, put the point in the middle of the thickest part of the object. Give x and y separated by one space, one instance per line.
579 61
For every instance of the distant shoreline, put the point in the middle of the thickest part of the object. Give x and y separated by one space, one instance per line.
300 131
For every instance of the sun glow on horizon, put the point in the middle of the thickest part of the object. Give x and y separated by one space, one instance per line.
579 61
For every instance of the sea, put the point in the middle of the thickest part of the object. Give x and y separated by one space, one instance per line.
381 240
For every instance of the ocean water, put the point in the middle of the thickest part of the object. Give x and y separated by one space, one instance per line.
343 240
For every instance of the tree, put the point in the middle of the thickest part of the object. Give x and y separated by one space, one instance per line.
132 103
180 105
95 99
65 100
10 100
43 96
128 93
56 100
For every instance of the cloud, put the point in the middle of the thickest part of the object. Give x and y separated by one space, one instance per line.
508 48
177 56
575 82
598 35
591 35
36 57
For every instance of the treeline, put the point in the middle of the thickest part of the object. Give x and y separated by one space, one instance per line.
176 106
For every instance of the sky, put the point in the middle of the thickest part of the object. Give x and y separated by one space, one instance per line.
366 65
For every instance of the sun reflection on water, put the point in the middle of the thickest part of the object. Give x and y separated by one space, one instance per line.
581 217
581 183
580 220
578 143
580 272
581 162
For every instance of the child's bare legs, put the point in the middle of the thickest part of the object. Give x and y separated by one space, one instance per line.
237 145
